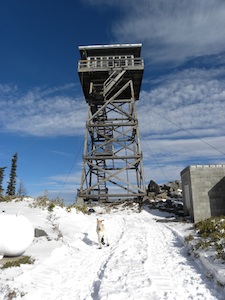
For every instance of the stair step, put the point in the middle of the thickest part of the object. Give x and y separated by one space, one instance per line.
112 81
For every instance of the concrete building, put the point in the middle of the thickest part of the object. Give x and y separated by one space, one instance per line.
203 191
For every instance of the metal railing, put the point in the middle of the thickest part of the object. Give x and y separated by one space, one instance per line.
103 63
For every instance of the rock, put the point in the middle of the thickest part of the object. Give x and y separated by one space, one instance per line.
151 195
153 187
39 232
162 195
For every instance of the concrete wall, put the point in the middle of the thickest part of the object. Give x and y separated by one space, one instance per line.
203 191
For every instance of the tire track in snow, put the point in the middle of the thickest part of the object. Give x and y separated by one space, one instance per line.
149 262
61 272
126 264
173 274
58 273
158 256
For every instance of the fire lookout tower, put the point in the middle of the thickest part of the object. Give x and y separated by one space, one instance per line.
111 77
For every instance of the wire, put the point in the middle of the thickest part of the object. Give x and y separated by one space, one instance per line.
161 169
180 127
71 168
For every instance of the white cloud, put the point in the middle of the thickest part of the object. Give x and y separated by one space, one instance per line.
64 186
175 30
181 121
170 30
190 101
184 150
42 112
165 159
179 118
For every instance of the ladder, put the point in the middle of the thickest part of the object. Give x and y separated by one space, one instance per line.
102 190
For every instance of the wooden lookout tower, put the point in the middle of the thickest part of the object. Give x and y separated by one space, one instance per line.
111 77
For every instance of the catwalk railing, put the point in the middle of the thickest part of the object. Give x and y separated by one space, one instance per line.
103 63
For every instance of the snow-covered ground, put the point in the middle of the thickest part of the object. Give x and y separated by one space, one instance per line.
146 259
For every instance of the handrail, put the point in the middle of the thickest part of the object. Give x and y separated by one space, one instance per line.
103 63
110 78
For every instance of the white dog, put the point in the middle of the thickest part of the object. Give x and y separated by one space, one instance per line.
102 236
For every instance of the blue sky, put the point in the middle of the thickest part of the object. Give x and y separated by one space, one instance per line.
42 108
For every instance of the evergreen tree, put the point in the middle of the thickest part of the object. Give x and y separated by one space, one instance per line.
11 189
2 169
21 189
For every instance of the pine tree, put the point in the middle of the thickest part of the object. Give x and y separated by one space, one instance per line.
11 189
21 189
2 169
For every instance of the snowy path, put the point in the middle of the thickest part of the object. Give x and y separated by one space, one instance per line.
150 263
145 260
173 274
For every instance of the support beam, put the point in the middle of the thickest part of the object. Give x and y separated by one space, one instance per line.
112 158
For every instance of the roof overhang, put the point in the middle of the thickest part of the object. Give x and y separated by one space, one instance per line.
107 50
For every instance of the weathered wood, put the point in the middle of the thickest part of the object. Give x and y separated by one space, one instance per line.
112 157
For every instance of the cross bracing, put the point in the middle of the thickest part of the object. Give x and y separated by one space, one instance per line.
112 157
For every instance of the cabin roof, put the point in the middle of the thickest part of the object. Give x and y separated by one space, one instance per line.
107 50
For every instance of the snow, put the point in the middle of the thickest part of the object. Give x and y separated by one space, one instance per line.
147 258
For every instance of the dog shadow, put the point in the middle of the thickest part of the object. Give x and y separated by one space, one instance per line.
87 241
